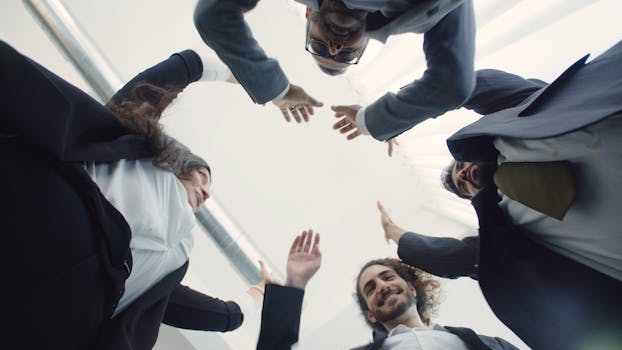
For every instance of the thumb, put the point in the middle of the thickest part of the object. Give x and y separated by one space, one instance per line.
345 110
314 102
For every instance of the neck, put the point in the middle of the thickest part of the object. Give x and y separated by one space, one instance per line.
410 319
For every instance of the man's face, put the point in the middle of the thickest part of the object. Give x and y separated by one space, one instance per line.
469 177
387 295
338 31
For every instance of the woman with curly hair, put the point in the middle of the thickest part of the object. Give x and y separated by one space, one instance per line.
96 208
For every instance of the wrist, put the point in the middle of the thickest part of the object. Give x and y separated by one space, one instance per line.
395 233
296 282
256 292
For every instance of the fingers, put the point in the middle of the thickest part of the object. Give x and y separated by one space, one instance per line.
381 207
303 112
347 128
390 148
340 124
294 112
353 135
342 109
309 238
309 109
314 102
285 114
294 246
264 270
316 245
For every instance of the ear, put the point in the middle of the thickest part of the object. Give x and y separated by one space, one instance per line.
412 288
308 12
370 316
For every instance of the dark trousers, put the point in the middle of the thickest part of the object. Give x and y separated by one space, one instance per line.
54 289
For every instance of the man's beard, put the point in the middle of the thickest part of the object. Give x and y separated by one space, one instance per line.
383 317
340 23
485 173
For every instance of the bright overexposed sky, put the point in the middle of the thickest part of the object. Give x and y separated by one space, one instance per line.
276 179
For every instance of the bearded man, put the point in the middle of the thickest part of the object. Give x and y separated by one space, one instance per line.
397 301
542 170
337 34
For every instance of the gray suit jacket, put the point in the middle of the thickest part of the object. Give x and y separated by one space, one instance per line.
515 107
449 45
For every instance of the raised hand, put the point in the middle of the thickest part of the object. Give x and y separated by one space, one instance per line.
304 259
391 230
347 122
297 103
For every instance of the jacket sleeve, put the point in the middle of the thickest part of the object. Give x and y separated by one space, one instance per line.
174 73
496 90
280 317
222 26
449 48
440 256
189 309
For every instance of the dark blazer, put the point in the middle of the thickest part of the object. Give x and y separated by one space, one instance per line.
584 94
448 27
63 122
549 301
280 320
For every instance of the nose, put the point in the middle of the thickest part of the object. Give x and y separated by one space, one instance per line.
205 192
461 174
333 48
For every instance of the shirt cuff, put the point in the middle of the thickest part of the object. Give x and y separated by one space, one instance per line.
247 304
281 95
214 69
360 121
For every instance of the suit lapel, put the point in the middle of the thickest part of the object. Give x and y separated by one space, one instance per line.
547 92
470 338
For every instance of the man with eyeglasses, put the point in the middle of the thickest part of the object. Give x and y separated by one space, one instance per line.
337 34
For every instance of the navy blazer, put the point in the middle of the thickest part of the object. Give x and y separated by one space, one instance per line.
549 301
44 110
449 45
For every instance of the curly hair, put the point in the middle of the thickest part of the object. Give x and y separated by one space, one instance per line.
448 182
427 288
140 110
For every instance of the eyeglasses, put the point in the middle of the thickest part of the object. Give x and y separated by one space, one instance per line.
319 48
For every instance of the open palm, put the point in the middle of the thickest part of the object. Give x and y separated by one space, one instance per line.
304 259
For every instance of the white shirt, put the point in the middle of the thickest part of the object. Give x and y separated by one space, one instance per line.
590 233
427 338
155 205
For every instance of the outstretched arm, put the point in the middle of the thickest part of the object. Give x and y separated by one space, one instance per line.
446 83
282 305
222 26
440 256
496 90
190 309
173 74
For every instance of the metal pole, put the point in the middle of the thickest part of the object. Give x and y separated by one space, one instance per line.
101 76
77 46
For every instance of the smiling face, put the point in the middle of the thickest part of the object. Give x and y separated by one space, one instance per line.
387 295
465 177
336 31
197 183
469 178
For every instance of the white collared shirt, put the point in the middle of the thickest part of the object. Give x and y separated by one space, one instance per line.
434 337
155 205
590 233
